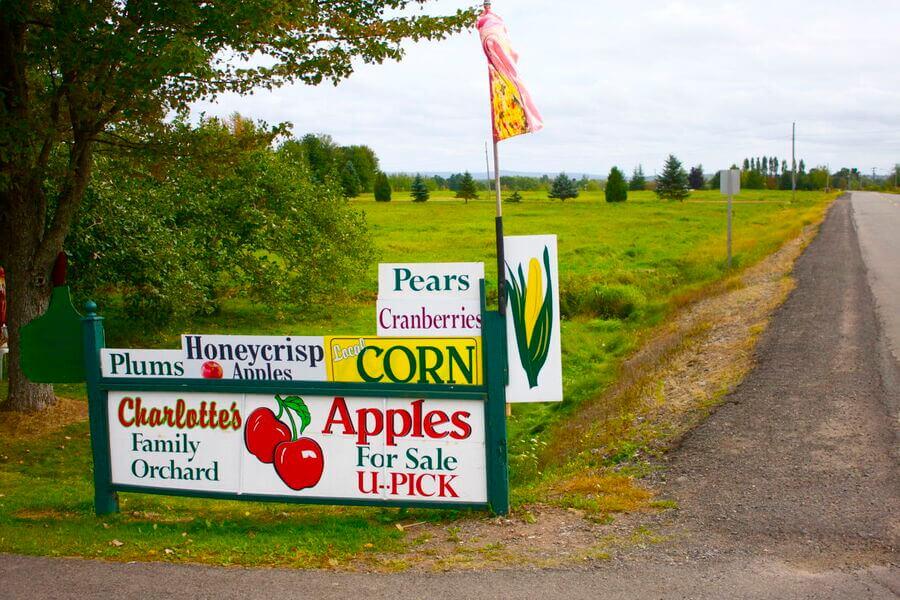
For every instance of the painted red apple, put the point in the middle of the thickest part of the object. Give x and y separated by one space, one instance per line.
211 370
299 463
263 432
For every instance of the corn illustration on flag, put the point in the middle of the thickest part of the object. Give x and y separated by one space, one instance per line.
531 304
512 110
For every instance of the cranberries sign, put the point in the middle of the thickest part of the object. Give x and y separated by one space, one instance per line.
334 447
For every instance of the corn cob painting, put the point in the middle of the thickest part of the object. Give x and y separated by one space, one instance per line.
531 305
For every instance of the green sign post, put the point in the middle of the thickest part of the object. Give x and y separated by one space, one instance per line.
409 445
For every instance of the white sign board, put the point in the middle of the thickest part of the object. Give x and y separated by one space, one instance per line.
131 362
428 317
730 182
316 446
449 281
259 357
532 319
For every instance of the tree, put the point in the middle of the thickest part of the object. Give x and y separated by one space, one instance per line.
696 179
616 188
563 187
715 182
672 184
752 180
80 78
418 190
199 227
467 188
382 187
746 165
514 197
638 181
350 181
365 163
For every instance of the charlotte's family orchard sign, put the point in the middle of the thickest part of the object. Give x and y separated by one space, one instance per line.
326 447
414 416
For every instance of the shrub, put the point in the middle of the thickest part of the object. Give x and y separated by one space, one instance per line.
382 188
616 188
607 301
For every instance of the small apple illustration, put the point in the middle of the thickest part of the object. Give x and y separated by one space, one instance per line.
263 433
211 370
299 463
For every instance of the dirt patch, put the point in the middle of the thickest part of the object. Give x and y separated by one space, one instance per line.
672 383
26 426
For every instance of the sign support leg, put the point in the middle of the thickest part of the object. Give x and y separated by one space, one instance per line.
105 499
494 339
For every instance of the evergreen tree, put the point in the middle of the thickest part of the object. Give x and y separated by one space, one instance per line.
350 180
715 182
467 188
802 166
418 190
616 188
563 187
746 165
638 181
514 197
382 187
696 179
673 183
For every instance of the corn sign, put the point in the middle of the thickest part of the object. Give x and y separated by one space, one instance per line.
532 319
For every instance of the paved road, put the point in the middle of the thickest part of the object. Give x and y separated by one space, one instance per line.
790 490
877 220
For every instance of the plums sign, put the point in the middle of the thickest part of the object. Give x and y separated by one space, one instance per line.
298 460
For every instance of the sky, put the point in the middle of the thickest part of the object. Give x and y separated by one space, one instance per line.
627 83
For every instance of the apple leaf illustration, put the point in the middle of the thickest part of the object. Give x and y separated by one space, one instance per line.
296 404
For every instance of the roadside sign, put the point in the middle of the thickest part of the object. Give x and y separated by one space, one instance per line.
136 362
532 319
456 281
340 448
428 316
730 185
260 357
421 360
730 182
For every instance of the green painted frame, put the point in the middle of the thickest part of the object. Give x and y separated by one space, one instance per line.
492 394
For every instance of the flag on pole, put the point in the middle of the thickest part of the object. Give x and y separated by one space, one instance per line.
512 111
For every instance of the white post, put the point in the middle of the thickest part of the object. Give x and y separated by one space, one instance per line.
487 167
729 231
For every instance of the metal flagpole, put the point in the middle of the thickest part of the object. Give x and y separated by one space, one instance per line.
498 220
501 263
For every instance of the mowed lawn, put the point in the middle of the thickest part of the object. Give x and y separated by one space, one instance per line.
624 268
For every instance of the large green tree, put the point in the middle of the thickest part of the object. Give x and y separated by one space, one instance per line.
638 181
75 76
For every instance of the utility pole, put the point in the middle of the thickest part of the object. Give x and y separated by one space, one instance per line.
793 161
827 179
487 166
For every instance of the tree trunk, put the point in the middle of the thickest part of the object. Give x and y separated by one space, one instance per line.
28 293
26 301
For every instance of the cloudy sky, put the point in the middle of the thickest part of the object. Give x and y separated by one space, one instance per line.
622 83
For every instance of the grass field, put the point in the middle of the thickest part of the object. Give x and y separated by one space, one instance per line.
624 268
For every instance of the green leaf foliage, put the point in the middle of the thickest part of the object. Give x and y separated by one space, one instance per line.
231 217
467 187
